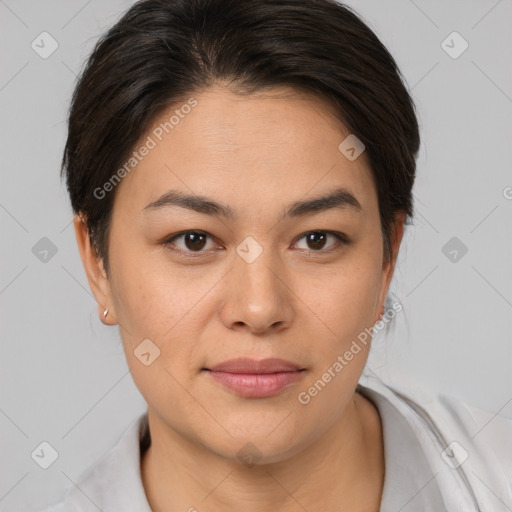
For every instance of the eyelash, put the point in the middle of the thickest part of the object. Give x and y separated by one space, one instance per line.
341 240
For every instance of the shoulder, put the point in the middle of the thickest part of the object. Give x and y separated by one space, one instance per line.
468 448
456 418
114 482
480 427
480 442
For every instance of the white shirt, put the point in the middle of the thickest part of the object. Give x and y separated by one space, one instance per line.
440 456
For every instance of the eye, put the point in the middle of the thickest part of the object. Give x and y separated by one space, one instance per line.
316 240
190 242
193 243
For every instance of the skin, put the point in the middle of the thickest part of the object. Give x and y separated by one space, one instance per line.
257 154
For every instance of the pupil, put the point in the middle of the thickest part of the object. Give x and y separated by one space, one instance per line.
316 244
194 240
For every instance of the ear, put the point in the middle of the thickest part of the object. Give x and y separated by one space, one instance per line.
96 275
388 267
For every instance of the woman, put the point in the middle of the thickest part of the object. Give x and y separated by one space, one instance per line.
241 174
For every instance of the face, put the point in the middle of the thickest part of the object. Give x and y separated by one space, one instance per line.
221 248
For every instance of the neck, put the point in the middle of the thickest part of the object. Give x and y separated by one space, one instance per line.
343 470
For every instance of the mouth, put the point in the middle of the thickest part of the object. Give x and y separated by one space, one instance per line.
251 378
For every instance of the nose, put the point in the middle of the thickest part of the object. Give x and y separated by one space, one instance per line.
257 296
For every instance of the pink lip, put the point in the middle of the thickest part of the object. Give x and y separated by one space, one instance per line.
255 379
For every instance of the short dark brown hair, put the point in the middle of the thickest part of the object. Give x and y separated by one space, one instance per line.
163 51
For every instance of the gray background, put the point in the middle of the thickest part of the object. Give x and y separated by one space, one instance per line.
63 375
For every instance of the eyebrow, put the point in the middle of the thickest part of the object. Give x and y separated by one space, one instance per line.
339 198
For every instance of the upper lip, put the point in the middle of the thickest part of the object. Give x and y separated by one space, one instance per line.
253 366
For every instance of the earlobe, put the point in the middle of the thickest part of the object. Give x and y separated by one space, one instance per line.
106 315
96 275
379 315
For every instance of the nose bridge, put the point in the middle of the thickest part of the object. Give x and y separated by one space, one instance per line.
257 295
257 267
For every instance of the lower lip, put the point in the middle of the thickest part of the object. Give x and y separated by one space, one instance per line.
256 385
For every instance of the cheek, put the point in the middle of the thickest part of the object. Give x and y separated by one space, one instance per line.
345 300
156 300
345 306
149 297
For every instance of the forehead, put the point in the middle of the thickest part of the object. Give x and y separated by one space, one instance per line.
268 147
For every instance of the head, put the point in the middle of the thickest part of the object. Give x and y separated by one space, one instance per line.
241 174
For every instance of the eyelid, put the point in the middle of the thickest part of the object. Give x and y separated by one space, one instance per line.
168 242
341 238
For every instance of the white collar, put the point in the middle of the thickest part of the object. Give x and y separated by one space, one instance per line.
115 484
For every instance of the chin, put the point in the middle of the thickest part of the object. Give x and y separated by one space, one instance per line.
255 442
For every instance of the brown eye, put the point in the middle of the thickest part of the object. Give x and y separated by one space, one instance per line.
190 241
195 241
316 240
